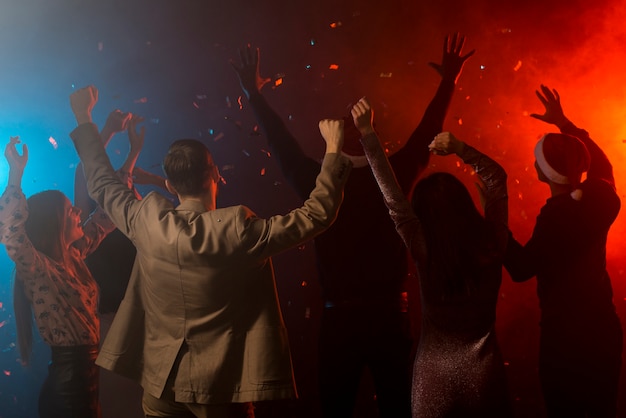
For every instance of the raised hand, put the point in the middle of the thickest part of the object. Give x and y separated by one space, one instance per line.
248 71
82 101
363 116
552 103
452 61
136 139
332 132
16 161
117 121
445 143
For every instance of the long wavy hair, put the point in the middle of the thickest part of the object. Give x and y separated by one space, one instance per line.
44 228
459 241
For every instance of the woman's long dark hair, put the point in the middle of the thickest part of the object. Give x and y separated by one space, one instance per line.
458 239
44 226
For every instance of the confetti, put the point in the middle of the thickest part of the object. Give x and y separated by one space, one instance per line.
278 82
308 67
460 121
313 42
196 105
263 171
482 67
3 323
218 136
304 283
245 152
239 102
255 131
142 100
266 152
333 67
385 75
53 142
517 66
7 372
335 25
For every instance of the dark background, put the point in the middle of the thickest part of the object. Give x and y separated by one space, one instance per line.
168 60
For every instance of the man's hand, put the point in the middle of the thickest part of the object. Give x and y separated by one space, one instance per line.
452 61
445 143
552 103
16 161
248 71
363 116
332 132
82 101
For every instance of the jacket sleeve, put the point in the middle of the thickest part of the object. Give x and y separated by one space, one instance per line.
299 170
104 185
266 237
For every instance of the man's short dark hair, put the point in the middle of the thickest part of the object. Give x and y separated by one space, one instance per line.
188 165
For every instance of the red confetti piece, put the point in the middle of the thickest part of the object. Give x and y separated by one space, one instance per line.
3 323
335 25
218 136
7 372
196 105
517 66
304 283
278 82
239 103
53 142
333 67
263 171
142 100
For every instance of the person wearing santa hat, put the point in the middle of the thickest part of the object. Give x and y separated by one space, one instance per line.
581 335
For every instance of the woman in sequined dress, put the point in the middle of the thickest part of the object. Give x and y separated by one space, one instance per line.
459 369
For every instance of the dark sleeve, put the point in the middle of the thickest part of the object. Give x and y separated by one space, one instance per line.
494 178
411 160
523 261
299 170
600 167
406 222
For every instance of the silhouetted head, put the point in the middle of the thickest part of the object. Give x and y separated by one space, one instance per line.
189 168
561 159
457 238
53 223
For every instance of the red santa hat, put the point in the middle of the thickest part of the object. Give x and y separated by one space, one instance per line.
562 158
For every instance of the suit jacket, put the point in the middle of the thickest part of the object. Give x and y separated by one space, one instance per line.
201 303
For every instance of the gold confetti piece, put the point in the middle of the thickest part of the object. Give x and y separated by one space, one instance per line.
386 75
278 82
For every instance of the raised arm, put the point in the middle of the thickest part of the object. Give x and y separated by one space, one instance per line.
278 233
492 187
600 167
117 121
104 185
400 210
298 169
411 160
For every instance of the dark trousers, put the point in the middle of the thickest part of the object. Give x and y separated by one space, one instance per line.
71 387
354 337
580 377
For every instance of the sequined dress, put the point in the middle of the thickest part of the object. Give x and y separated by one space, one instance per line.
458 370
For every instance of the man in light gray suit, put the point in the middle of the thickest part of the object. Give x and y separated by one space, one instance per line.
200 327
